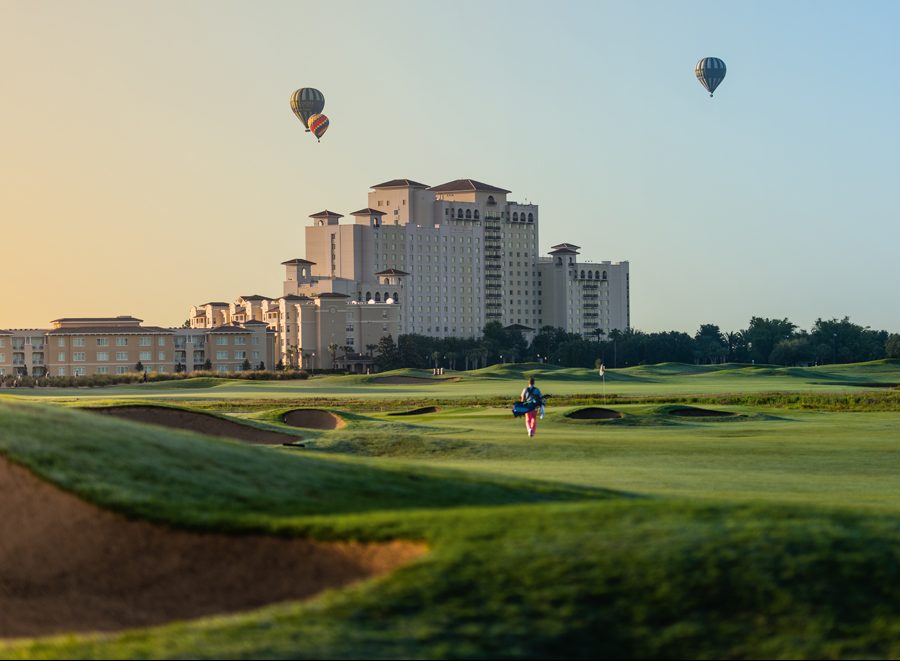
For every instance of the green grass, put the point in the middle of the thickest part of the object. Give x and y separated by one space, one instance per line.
775 533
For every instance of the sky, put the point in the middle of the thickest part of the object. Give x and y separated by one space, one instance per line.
149 159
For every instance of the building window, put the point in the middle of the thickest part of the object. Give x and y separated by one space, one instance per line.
102 342
221 355
61 342
144 341
102 356
240 341
121 355
240 355
515 215
61 357
78 356
121 369
161 355
476 214
103 370
77 341
459 213
145 355
222 341
78 371
121 341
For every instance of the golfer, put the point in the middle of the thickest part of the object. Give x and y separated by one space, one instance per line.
531 395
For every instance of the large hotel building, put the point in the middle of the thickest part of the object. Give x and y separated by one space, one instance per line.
440 261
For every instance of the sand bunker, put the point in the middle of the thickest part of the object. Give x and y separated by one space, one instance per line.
420 411
412 380
66 565
594 413
692 412
313 419
195 421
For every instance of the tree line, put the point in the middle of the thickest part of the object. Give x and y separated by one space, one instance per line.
764 341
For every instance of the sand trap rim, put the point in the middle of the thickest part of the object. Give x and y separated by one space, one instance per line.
320 419
423 410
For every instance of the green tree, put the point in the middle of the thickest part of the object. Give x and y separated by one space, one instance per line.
763 334
139 366
387 356
793 351
245 366
709 344
892 346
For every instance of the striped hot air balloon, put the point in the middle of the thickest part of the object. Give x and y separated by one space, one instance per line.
318 124
306 102
710 72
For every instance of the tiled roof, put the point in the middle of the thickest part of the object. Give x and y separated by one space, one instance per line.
368 211
332 294
565 247
111 330
125 317
256 297
392 272
295 297
400 183
255 322
220 303
326 214
5 332
297 261
228 329
466 185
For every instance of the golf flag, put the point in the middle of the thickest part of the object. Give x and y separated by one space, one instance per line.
602 369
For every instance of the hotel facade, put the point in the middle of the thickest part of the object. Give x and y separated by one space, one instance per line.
440 261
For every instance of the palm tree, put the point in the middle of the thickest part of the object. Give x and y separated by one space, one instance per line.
332 349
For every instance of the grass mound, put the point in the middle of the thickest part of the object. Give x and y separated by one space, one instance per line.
165 475
696 412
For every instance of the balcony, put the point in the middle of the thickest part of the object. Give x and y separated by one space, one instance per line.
493 296
493 267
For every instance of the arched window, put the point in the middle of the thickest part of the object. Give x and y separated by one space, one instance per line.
476 214
386 297
604 275
582 274
368 296
303 272
378 297
468 213
396 298
531 218
515 215
590 275
491 200
459 213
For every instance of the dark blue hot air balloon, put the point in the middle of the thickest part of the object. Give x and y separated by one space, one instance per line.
710 72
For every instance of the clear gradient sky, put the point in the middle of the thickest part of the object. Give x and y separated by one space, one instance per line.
149 159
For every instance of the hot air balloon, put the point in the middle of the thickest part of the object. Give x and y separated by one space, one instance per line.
306 102
710 72
318 124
